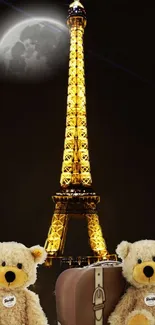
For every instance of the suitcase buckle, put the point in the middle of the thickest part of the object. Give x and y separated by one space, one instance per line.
98 295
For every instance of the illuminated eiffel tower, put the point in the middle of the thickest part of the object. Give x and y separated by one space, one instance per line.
76 197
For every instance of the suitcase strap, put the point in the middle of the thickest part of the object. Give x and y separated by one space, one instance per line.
98 296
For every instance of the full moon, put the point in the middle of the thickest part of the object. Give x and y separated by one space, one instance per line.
33 49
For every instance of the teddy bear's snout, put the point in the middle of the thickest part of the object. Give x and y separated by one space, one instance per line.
148 271
10 276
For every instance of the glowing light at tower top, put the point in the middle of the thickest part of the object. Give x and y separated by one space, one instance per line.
75 4
77 11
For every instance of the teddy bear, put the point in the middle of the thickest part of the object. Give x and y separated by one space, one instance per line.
137 306
18 270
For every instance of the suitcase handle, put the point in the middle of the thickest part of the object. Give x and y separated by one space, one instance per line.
104 263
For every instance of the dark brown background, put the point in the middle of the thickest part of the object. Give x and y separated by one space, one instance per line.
119 51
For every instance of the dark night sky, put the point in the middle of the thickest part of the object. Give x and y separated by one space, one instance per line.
120 108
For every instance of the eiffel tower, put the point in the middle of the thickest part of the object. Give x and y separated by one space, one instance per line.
76 197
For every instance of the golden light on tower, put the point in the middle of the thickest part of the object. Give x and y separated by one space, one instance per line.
76 166
76 196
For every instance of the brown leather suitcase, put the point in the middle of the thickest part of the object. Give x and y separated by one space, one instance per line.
87 296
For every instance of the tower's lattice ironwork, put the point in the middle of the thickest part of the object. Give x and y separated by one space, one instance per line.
76 197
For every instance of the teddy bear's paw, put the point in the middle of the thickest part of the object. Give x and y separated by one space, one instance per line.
138 320
140 317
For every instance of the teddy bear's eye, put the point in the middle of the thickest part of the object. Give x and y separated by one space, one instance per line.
153 258
19 265
3 263
139 261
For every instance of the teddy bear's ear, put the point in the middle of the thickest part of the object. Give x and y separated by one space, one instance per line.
38 253
122 249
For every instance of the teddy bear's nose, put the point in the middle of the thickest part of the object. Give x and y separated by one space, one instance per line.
148 271
10 276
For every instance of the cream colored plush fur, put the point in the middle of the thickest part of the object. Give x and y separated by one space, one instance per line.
18 264
137 306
